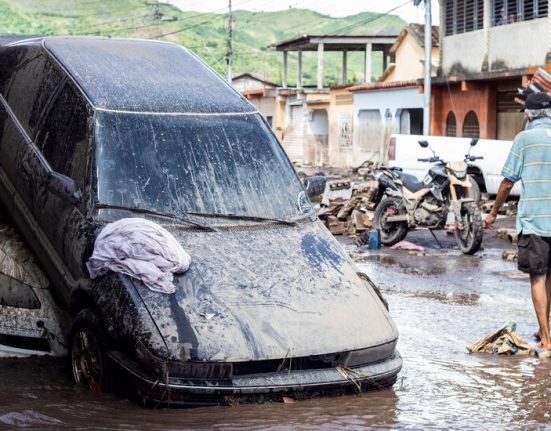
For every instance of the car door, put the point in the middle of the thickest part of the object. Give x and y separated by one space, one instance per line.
63 141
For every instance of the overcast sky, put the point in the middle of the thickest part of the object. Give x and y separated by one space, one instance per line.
334 8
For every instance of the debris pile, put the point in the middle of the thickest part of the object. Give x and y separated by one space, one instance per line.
509 208
349 215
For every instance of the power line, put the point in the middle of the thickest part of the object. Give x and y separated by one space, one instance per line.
344 30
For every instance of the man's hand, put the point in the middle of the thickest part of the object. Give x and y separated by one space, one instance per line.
489 221
502 194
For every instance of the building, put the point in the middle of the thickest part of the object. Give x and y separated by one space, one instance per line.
489 48
260 92
314 122
395 104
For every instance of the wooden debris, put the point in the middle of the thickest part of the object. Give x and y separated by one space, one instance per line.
350 216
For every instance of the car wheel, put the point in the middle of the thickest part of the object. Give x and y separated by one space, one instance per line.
88 359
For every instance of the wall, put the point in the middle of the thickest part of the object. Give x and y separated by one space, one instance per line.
265 105
518 45
463 53
409 60
341 125
512 46
477 97
317 130
370 143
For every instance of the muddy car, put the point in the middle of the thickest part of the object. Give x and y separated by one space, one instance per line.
31 320
93 130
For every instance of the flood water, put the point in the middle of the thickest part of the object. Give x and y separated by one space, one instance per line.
440 301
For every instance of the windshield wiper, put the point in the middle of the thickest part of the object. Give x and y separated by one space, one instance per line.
245 217
159 214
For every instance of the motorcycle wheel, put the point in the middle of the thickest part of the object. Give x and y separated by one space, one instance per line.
469 237
391 232
475 190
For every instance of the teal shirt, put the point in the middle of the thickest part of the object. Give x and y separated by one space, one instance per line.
530 162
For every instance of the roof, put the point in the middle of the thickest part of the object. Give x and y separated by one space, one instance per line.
11 38
384 85
417 31
255 77
144 76
334 42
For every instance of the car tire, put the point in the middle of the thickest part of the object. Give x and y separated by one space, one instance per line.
89 363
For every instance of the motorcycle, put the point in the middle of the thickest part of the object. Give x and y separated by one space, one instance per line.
406 203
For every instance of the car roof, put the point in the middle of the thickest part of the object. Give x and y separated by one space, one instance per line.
144 76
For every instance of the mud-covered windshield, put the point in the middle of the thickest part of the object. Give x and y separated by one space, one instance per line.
225 164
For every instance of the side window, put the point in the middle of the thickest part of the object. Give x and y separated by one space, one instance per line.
63 137
29 89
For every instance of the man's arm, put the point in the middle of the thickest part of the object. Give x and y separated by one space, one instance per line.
502 195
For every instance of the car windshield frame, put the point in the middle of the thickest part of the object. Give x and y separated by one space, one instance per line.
203 163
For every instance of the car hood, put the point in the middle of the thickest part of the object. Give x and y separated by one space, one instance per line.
262 292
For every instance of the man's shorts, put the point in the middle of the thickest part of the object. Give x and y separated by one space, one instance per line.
534 254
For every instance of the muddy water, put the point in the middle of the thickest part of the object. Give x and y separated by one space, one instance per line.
440 302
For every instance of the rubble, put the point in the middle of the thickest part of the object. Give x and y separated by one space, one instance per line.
509 255
349 216
509 234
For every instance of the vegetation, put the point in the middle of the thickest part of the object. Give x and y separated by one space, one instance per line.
204 33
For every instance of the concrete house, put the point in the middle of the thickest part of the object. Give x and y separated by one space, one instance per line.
395 104
315 122
260 92
489 48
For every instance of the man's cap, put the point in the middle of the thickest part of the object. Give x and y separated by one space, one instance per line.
538 101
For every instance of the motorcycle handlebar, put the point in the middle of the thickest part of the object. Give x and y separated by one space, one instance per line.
430 160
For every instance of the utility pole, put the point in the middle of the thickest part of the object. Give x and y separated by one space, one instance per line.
230 47
428 58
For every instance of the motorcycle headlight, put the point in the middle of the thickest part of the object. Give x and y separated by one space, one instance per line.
461 175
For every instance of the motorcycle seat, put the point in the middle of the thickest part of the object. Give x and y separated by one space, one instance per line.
410 182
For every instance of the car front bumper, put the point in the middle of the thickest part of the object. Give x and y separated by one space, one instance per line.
300 383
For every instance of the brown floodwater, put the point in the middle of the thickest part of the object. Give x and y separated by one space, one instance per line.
440 301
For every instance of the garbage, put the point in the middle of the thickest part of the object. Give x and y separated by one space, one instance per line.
406 245
141 249
504 341
347 209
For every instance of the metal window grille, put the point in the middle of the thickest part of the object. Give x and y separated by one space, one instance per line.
471 128
510 11
463 16
451 124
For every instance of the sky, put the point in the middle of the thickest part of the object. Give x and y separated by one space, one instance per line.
335 8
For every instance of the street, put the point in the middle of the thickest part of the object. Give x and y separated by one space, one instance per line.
441 300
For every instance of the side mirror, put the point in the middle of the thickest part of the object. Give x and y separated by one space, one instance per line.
424 144
474 141
64 187
315 185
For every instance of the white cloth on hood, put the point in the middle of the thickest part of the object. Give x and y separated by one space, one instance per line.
141 249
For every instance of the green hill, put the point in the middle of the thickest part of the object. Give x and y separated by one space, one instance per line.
204 33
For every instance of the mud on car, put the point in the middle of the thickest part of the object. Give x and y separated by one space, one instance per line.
93 130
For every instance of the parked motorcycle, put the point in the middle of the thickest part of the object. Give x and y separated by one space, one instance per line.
406 203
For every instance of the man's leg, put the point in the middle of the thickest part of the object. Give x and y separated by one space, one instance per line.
541 298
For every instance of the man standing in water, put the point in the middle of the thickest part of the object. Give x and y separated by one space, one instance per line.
530 162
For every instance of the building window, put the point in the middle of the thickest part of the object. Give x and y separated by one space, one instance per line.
470 126
451 124
511 11
464 15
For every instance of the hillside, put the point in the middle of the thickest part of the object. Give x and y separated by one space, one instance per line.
204 33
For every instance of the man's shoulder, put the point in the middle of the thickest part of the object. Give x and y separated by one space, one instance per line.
536 135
